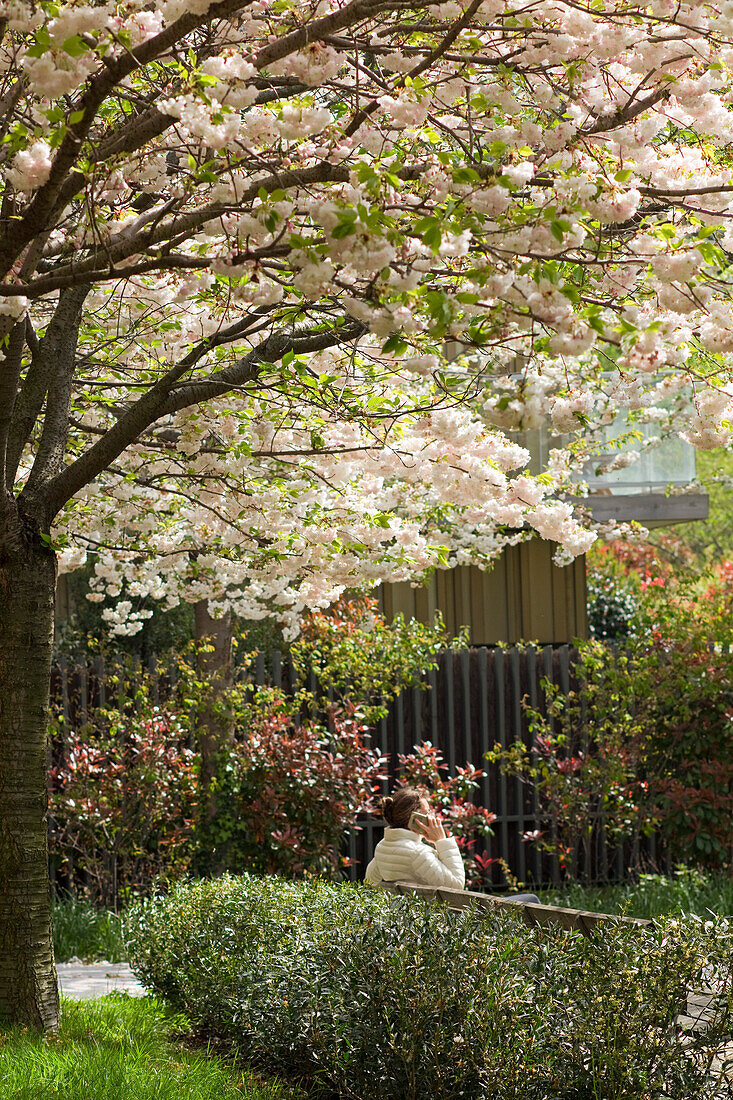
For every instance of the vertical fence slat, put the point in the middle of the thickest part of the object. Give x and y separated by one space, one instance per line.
433 706
400 723
484 735
449 737
534 687
100 672
501 730
518 784
548 662
465 749
260 670
417 696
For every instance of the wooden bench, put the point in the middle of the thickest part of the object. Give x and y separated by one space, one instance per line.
572 920
696 1014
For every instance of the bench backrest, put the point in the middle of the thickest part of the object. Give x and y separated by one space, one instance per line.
579 920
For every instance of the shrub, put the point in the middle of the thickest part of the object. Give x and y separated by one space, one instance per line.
689 891
357 656
82 931
613 609
365 994
287 791
675 678
122 804
586 763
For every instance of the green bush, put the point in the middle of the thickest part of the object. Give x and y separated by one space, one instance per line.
364 994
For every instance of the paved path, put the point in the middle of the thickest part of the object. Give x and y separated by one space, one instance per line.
82 981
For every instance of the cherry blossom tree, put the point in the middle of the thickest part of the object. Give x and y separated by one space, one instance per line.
276 278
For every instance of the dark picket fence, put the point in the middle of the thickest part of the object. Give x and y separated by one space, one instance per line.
473 700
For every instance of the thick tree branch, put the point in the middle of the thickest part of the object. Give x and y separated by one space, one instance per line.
57 353
122 246
317 29
626 114
163 398
10 370
28 405
271 350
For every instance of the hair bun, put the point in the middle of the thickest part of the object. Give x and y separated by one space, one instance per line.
385 807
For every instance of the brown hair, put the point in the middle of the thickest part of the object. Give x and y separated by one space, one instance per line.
397 808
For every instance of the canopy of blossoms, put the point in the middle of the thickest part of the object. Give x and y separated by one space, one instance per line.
279 277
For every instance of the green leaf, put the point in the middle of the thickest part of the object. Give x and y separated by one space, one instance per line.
394 345
74 46
343 229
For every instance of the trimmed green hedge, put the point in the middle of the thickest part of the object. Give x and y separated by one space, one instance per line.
378 997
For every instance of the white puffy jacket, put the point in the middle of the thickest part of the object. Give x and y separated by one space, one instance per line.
403 856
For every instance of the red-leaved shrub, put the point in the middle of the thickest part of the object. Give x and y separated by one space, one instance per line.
288 790
123 805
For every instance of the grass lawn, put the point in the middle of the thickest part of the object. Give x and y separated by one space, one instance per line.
85 932
687 892
122 1048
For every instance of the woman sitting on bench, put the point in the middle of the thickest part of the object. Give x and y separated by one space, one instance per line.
403 855
416 847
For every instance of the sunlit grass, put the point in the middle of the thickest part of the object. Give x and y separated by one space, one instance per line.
122 1048
686 892
85 932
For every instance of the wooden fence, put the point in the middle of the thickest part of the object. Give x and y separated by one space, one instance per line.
473 700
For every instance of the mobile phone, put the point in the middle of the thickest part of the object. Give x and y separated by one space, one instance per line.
415 820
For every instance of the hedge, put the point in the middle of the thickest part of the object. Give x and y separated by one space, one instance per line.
366 995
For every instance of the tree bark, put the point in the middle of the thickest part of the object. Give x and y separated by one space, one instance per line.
216 731
28 989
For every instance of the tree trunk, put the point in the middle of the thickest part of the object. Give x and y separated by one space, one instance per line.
28 989
216 732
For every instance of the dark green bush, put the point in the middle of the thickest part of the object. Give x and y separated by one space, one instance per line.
366 995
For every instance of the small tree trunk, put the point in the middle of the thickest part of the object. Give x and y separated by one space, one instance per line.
216 733
28 989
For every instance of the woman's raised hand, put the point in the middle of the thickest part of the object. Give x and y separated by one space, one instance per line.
433 831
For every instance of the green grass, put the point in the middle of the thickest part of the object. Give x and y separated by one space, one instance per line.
687 892
122 1048
85 932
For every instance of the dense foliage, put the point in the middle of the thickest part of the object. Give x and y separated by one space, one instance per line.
643 741
129 803
123 803
612 609
354 655
287 791
368 995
